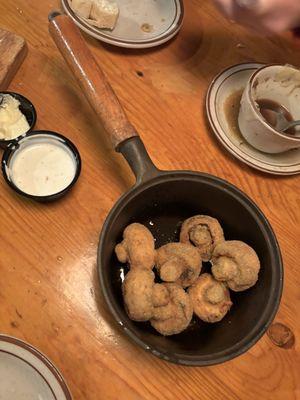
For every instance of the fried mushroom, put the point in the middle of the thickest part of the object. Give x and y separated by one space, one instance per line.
235 263
179 263
210 299
137 293
141 295
175 316
160 295
203 232
137 247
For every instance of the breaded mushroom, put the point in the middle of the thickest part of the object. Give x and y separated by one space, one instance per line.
160 295
174 317
204 232
235 263
141 295
137 247
137 293
178 262
210 298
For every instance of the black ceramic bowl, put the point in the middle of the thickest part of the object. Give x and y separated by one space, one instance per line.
30 138
162 207
27 108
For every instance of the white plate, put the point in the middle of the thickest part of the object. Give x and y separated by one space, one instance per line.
26 374
163 18
220 95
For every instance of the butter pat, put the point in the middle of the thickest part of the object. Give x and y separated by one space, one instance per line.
104 13
12 122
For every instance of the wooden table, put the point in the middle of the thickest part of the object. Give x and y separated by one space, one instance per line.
49 292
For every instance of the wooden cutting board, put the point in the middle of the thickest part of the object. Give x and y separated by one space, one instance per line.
13 50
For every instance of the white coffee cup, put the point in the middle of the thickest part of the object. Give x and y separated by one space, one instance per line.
280 83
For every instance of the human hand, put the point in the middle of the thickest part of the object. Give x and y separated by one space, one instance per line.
267 16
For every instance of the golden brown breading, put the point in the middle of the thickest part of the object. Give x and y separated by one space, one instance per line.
160 295
203 232
137 293
174 317
235 263
210 298
137 247
179 263
141 295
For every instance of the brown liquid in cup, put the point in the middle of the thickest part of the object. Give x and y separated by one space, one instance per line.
269 109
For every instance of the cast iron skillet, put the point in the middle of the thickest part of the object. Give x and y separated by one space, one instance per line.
162 200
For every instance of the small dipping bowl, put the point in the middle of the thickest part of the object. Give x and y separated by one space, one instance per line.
26 108
280 84
42 166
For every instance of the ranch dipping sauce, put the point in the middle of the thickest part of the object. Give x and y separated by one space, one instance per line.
42 167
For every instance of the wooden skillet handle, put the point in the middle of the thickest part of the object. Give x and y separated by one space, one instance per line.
90 77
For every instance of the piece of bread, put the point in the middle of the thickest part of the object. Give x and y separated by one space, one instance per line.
81 7
104 13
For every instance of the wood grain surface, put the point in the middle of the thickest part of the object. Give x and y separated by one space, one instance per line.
49 292
13 50
90 77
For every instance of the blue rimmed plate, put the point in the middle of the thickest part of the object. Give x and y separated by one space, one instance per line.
25 373
222 107
140 24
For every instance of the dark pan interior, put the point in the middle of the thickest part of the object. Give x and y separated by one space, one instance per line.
162 206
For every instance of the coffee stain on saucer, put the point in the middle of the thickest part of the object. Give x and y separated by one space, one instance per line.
231 111
146 27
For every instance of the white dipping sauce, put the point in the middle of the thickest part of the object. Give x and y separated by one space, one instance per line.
42 167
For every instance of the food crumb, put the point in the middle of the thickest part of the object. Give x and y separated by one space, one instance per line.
140 73
240 46
55 328
14 324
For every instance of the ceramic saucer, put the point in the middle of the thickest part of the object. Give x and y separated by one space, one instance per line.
140 24
25 373
222 107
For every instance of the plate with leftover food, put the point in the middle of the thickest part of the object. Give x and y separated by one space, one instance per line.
127 23
222 107
28 374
